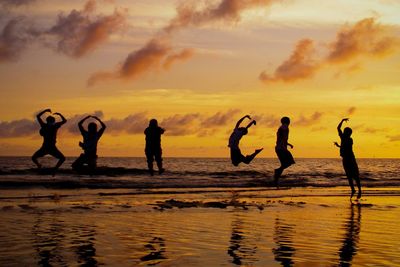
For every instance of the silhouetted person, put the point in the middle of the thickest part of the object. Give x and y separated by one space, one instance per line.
349 160
153 146
237 134
350 241
284 155
49 132
91 137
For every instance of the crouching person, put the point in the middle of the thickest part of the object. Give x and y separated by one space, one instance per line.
91 137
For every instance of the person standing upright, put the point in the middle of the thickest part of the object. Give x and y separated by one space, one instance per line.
153 146
284 155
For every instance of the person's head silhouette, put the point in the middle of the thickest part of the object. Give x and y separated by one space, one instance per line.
50 120
347 131
92 127
285 120
153 123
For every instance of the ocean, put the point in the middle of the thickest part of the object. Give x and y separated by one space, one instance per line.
115 172
200 212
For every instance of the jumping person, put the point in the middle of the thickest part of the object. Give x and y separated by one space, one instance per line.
236 155
91 137
153 146
49 132
349 160
284 155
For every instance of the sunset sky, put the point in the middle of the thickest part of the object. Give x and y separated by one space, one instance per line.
198 67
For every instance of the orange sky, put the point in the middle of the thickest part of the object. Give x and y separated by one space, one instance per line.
198 66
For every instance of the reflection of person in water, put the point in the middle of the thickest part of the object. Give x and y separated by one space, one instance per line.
52 240
91 137
240 248
157 249
49 130
48 236
283 239
350 240
153 146
349 160
238 132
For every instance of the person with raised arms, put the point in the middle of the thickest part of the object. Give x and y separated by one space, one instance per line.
238 132
49 130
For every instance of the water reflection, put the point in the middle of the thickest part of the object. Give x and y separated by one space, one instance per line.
283 235
57 243
351 238
156 248
48 235
242 249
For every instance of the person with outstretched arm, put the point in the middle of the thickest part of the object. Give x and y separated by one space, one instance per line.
238 132
49 130
91 137
348 158
153 149
284 155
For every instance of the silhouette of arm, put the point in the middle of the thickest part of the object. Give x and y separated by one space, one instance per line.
339 127
63 119
39 116
103 126
80 124
250 124
162 130
291 146
336 144
240 121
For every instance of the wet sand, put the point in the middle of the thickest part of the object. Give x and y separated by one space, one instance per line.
199 227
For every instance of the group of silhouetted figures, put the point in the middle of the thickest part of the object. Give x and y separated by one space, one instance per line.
153 150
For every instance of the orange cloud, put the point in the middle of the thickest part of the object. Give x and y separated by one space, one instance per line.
80 32
158 49
226 10
366 38
307 121
183 55
300 64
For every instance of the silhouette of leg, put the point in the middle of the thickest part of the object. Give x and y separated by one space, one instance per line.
158 158
249 158
58 155
150 159
38 154
357 178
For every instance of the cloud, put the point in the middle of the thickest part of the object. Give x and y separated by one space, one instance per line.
158 51
227 10
181 124
176 125
307 121
364 39
15 3
80 32
183 55
18 128
13 39
351 111
269 121
300 64
393 138
220 118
